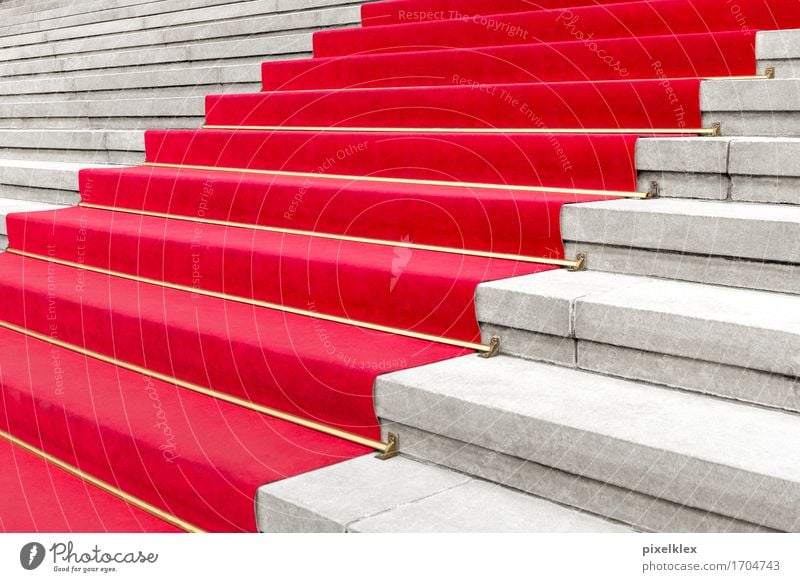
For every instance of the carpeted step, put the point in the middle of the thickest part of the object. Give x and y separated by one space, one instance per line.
645 57
410 11
497 220
429 292
588 23
39 497
572 161
298 364
195 457
619 104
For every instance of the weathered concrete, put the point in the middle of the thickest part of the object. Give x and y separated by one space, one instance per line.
402 495
481 507
641 511
709 454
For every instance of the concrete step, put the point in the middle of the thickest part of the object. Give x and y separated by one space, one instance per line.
76 146
188 111
35 26
733 343
779 49
9 206
742 169
747 245
158 15
209 53
199 80
251 26
41 181
61 24
753 107
402 496
657 459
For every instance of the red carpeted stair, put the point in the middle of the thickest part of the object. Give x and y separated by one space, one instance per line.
275 262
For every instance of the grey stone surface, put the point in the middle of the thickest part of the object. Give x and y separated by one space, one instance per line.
758 123
752 329
775 157
764 232
532 345
541 302
719 456
330 499
777 44
714 270
683 154
687 185
753 386
481 507
639 510
764 189
750 95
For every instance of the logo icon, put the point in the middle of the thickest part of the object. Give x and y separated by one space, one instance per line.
32 555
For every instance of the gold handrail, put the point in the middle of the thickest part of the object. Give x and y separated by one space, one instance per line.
575 265
100 484
486 349
407 181
711 131
382 447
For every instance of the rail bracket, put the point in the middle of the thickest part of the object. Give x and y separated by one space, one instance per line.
392 447
494 348
580 263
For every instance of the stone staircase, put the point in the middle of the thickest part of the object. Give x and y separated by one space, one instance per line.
657 391
80 81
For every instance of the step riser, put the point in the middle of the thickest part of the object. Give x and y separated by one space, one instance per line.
100 156
160 59
67 197
173 14
711 378
725 360
737 169
100 122
699 268
642 511
302 22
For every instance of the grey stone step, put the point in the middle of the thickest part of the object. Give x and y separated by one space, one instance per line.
746 169
734 343
779 49
656 458
200 80
233 51
753 246
402 495
135 15
77 146
308 20
187 111
41 181
165 15
753 107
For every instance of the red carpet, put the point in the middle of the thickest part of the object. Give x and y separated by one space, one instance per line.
177 276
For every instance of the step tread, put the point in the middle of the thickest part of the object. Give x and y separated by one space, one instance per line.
401 495
687 448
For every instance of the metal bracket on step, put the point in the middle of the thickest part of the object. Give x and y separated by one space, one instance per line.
654 191
769 72
494 348
392 447
580 263
717 127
